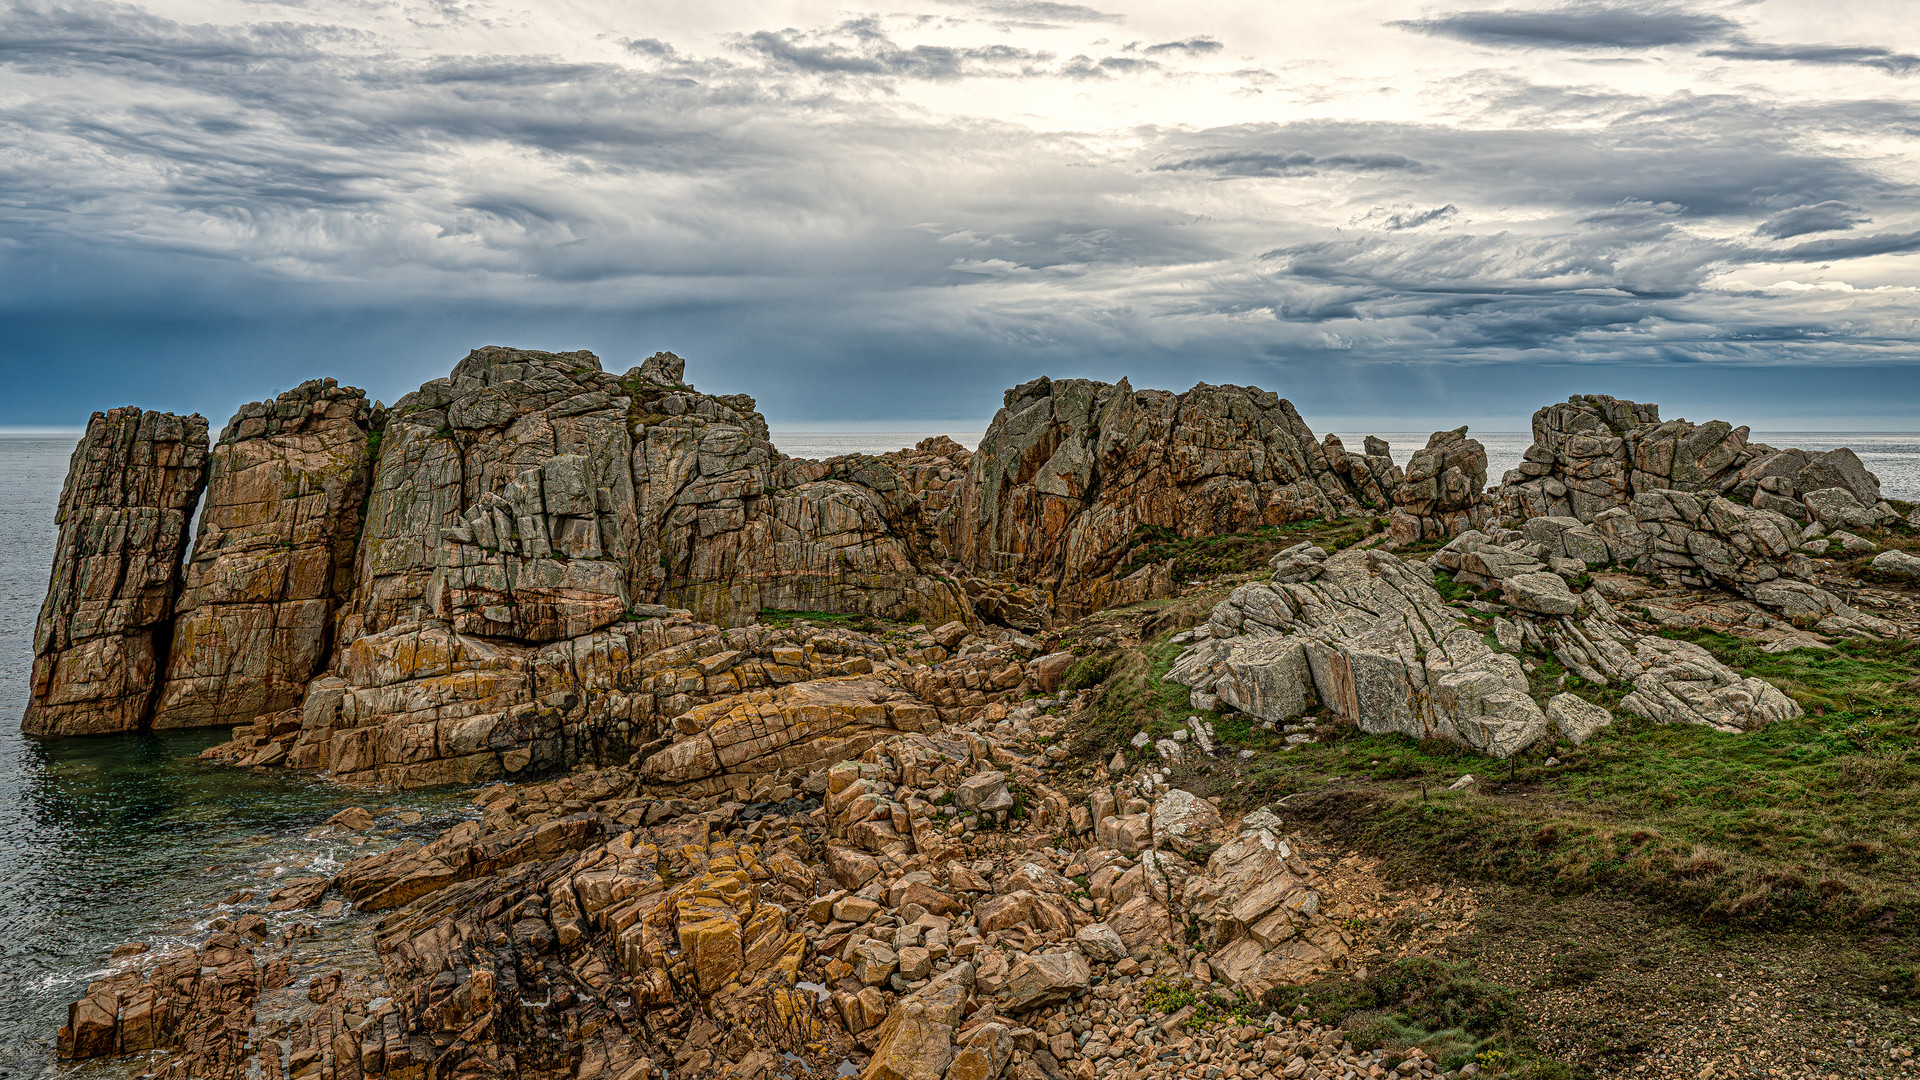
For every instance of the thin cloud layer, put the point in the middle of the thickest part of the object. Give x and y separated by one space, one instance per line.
898 212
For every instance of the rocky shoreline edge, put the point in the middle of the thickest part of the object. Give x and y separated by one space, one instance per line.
719 838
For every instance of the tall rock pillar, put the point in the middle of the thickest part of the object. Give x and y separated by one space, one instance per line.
104 629
273 558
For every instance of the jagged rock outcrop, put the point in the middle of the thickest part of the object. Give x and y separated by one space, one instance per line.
1372 641
194 1003
1444 491
433 540
740 528
1071 468
273 558
1257 912
1594 453
101 640
1698 540
1372 476
535 497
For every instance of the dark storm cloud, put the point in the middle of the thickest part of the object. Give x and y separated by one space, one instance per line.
1829 216
1702 158
1580 26
1397 220
776 212
1868 56
1850 247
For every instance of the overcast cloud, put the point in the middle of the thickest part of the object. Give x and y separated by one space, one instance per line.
1393 212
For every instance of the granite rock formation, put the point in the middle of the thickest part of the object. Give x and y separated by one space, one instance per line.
1703 541
1372 476
461 522
1595 453
273 558
1371 639
1070 469
1444 491
101 642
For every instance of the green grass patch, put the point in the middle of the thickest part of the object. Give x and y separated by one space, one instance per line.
863 623
1233 553
1808 822
1131 696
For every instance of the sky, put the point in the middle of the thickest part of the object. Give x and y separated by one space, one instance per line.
1398 214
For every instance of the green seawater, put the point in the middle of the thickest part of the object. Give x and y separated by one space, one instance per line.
132 838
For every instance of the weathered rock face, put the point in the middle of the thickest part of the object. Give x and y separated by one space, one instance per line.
1595 453
1070 468
504 487
1672 681
273 558
1372 476
1372 641
1444 493
730 527
194 1003
534 497
104 628
1684 538
419 704
1259 914
804 726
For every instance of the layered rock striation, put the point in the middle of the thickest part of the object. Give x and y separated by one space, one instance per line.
102 638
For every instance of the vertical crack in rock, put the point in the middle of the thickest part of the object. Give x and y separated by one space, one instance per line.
102 638
273 558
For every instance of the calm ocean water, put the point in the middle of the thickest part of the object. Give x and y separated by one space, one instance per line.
121 839
104 841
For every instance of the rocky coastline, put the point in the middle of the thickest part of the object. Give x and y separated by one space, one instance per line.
781 767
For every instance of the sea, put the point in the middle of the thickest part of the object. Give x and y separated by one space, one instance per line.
132 838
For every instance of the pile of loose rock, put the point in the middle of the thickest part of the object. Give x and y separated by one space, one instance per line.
934 906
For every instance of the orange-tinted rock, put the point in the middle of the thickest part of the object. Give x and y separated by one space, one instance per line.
273 558
801 726
100 644
1070 469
